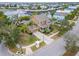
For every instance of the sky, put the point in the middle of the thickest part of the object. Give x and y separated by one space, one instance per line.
39 0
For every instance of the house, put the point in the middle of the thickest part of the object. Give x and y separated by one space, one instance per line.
41 21
60 14
63 11
58 17
43 7
77 6
71 8
2 5
33 28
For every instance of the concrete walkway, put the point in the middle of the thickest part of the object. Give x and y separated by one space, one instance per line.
43 37
53 34
28 51
77 54
28 48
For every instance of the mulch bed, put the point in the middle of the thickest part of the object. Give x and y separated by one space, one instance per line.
70 53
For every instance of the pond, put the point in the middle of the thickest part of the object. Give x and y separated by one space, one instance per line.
18 12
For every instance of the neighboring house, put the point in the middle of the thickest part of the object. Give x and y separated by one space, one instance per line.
41 21
60 14
64 11
71 8
77 6
49 15
43 7
58 17
33 6
2 5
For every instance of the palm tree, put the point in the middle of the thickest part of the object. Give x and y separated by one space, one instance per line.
72 14
8 31
63 26
9 34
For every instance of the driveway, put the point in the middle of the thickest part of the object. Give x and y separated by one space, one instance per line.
54 49
43 37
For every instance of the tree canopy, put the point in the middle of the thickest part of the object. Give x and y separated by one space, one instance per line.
24 17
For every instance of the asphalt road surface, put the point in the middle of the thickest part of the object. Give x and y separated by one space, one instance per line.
4 50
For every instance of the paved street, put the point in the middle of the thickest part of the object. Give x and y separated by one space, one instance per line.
76 28
3 51
54 49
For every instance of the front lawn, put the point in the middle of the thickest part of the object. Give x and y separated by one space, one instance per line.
41 45
27 39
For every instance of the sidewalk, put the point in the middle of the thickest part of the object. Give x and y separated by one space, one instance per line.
28 49
53 34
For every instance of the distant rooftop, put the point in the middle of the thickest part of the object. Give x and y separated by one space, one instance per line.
72 7
63 11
